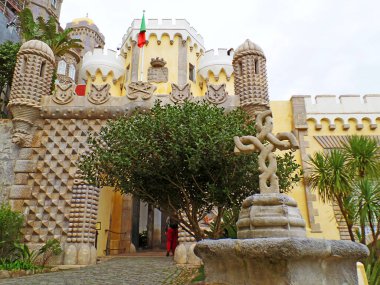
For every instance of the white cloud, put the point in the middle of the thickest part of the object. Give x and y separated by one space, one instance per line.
312 46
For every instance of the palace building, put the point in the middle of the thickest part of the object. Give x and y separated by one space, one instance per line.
42 144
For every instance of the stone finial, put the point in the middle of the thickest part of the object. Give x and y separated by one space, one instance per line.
31 80
250 83
281 141
157 62
248 47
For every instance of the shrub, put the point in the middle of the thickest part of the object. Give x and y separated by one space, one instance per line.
10 226
51 248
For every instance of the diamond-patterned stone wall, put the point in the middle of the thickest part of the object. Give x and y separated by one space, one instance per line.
48 210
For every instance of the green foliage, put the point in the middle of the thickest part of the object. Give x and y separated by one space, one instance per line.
8 55
24 254
28 27
178 158
349 177
15 265
288 171
227 227
201 275
10 226
47 31
372 267
51 248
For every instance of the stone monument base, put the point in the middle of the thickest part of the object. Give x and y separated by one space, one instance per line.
280 261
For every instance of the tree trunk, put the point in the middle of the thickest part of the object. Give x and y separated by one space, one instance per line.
150 225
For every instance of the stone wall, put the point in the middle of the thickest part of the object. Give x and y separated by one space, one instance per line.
8 155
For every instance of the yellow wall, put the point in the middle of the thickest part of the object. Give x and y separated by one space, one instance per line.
283 121
116 88
106 201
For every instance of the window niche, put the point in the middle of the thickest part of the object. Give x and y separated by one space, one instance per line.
191 72
158 72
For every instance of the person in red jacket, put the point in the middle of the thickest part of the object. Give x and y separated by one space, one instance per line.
171 237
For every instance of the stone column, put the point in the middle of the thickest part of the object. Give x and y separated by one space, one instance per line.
126 224
157 229
182 62
135 62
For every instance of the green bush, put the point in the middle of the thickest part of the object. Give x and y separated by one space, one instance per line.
51 248
14 265
10 227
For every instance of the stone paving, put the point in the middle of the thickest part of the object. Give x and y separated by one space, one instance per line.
117 271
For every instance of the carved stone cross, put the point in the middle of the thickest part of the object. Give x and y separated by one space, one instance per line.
268 179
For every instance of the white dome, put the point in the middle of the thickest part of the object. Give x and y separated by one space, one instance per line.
215 63
104 62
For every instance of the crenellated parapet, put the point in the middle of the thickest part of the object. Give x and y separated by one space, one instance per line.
345 109
169 27
106 62
214 62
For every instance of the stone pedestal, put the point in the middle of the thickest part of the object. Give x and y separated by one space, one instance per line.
79 254
280 261
272 249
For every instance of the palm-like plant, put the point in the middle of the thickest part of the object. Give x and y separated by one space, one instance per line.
29 29
367 200
329 176
363 156
46 31
59 42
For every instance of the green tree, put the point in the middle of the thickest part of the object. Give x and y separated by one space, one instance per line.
8 55
180 159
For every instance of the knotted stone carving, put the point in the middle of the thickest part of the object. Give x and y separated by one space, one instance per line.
99 94
180 93
267 159
139 89
64 93
158 72
216 93
269 214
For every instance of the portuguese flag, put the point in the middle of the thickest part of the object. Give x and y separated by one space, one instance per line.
141 38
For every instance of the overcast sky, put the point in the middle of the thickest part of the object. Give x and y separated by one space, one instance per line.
312 46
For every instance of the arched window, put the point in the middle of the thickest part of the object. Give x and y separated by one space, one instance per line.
72 71
257 66
61 67
54 3
42 69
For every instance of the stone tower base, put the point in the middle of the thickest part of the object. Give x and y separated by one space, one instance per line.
280 261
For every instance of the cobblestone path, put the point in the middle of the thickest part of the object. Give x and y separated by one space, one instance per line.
118 271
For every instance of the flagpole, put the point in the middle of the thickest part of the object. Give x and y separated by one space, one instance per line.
142 60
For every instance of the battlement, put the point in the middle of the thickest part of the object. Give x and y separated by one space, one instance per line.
344 108
344 104
162 27
214 61
103 60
